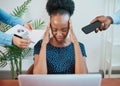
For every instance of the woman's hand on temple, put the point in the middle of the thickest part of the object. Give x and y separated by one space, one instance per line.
72 35
46 37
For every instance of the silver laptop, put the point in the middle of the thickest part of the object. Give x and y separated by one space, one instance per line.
60 80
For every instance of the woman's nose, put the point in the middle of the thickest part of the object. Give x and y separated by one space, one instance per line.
59 33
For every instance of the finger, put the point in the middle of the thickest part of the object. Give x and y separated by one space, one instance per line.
28 26
96 30
25 42
23 46
106 26
70 29
31 27
99 18
102 27
47 28
94 20
70 24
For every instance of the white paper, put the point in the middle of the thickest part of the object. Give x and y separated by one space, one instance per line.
33 35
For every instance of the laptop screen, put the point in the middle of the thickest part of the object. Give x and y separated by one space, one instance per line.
60 80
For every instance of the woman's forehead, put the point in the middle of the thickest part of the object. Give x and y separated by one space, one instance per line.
59 19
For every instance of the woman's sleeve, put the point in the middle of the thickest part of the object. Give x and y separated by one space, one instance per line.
82 47
37 47
9 19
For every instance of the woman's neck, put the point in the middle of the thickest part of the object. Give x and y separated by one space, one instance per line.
59 44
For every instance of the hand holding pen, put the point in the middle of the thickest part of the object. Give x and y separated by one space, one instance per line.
22 42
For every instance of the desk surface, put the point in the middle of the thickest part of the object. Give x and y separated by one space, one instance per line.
105 82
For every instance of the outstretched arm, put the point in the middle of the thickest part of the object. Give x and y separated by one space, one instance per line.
9 19
107 21
7 39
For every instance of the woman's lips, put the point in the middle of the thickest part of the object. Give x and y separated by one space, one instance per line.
59 38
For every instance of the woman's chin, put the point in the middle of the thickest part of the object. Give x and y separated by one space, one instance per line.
60 40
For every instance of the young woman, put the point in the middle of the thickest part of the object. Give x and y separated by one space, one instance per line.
58 54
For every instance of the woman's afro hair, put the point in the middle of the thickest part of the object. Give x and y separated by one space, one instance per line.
60 6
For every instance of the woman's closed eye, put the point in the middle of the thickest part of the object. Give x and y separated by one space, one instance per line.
54 30
64 30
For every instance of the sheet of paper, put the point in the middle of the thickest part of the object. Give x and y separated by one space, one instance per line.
34 35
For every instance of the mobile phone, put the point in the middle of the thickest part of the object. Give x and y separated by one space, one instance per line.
91 27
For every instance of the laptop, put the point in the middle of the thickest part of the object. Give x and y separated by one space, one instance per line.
60 80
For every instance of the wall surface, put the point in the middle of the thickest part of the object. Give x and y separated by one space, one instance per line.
85 11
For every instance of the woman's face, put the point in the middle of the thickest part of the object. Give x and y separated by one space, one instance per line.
59 26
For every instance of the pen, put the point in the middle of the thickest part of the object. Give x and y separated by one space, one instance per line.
22 37
18 36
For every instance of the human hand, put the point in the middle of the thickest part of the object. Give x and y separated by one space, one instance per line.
21 42
46 37
106 21
72 35
28 26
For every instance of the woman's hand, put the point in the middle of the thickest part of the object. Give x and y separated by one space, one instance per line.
80 65
72 35
46 37
40 62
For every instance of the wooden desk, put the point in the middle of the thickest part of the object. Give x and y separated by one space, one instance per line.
111 82
105 82
9 83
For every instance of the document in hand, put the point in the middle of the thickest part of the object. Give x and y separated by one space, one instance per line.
22 32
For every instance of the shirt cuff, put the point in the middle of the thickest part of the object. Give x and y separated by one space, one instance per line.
116 17
10 40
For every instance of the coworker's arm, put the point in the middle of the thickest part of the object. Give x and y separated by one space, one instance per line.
8 39
107 21
21 42
80 62
12 20
9 19
5 39
40 63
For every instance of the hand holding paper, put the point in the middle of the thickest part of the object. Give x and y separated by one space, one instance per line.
22 32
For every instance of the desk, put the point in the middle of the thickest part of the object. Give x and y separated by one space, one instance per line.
111 82
105 82
9 83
